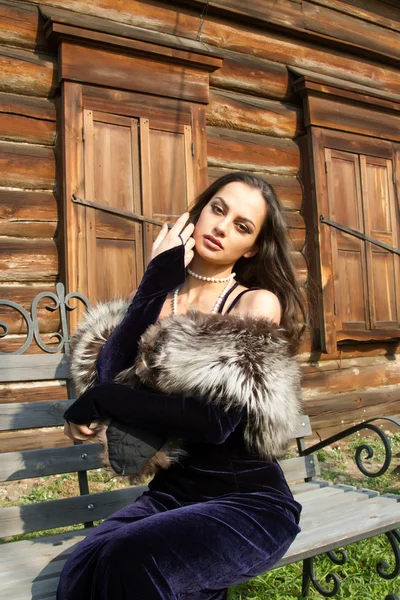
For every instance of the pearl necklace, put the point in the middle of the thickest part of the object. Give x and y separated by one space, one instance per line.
213 279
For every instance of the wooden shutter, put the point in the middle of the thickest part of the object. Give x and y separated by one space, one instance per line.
381 223
112 179
167 172
348 252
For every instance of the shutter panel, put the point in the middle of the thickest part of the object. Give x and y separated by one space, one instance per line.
381 224
112 179
167 173
348 252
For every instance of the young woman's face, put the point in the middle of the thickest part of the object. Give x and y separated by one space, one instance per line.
229 224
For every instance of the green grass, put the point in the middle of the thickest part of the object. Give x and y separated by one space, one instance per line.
359 577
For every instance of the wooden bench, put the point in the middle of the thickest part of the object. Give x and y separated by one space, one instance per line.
333 515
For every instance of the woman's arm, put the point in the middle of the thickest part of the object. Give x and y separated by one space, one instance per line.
172 251
175 416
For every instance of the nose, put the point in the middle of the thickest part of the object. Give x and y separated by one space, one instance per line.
220 228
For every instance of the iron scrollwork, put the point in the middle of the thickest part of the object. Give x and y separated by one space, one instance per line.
61 302
331 578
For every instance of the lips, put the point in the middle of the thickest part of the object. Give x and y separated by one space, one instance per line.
213 242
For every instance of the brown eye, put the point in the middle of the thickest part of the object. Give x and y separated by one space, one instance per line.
217 209
243 228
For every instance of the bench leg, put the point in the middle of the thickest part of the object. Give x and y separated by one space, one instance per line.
339 558
383 567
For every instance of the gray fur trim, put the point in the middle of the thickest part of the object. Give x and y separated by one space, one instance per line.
232 361
91 335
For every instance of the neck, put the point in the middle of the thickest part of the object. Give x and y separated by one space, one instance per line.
202 267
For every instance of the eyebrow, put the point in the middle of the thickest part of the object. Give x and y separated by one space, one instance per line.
227 207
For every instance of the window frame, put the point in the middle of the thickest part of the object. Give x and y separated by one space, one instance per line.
338 116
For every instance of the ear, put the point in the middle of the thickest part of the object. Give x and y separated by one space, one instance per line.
252 252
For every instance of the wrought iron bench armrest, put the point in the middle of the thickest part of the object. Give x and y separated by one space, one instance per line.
362 447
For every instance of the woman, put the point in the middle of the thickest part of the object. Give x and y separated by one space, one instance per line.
224 379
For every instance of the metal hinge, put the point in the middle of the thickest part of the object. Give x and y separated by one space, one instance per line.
334 308
192 147
83 134
326 167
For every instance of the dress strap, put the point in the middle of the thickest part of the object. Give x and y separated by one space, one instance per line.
226 296
236 300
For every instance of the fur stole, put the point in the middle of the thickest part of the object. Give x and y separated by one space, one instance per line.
229 360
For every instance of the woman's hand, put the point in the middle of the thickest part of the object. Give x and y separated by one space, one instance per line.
80 433
168 239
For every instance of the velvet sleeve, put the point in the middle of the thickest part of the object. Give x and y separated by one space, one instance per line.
164 274
192 418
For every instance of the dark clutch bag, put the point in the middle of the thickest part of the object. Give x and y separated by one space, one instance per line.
131 448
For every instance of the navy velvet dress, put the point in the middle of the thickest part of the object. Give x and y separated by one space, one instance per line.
216 519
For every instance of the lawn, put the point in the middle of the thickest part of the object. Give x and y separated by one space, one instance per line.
359 577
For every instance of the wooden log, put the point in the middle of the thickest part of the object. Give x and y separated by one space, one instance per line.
39 391
26 166
28 260
38 108
355 349
288 189
17 128
353 407
49 321
252 75
20 25
242 150
352 378
28 229
27 73
375 11
360 362
247 113
300 266
22 206
222 34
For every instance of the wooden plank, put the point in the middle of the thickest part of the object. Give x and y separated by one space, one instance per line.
27 73
242 150
34 368
33 439
249 113
33 391
133 73
67 511
28 106
14 343
26 166
27 415
386 14
28 229
334 114
39 463
300 467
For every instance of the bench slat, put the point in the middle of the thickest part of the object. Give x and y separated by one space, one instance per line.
67 511
33 367
300 467
35 556
49 461
28 415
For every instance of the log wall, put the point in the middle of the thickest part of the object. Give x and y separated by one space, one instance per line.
253 121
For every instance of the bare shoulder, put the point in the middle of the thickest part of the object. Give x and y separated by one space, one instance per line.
262 303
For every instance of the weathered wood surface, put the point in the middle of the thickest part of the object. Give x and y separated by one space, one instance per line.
243 150
220 35
248 113
67 511
42 367
33 392
26 166
28 73
32 439
28 260
26 205
49 321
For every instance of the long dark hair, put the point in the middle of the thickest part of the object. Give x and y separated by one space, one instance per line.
271 268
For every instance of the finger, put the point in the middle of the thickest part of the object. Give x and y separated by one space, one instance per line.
189 257
80 432
190 244
179 224
187 232
163 232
